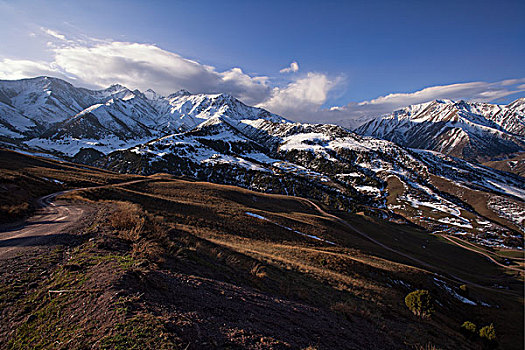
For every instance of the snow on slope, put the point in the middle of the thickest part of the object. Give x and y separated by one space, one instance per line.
470 130
45 100
284 155
13 124
215 137
66 119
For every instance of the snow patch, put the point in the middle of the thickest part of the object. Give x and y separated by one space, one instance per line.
289 229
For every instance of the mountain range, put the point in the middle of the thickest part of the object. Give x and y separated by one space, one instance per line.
421 164
469 130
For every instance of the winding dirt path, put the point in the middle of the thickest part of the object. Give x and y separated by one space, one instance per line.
432 268
54 218
366 236
51 219
470 246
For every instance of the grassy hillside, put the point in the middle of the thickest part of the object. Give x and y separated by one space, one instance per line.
515 164
24 178
174 263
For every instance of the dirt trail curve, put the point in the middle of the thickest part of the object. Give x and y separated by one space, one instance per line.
421 263
50 220
465 245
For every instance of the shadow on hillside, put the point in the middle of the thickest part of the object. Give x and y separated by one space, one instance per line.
42 240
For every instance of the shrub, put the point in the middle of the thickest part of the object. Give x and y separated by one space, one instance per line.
463 290
420 303
468 329
258 271
14 212
129 219
488 333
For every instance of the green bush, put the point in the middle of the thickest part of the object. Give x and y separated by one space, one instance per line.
420 303
488 333
468 329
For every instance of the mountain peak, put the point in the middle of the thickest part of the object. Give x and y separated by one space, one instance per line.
151 94
226 99
225 96
519 103
181 92
49 82
116 87
444 101
450 126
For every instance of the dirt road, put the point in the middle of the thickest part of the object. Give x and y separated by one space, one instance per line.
366 236
471 247
51 220
421 263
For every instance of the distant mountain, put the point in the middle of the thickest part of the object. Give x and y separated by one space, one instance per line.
54 116
217 138
469 130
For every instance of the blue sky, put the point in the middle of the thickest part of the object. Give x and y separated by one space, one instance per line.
353 57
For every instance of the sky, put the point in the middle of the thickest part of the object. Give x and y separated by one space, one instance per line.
314 61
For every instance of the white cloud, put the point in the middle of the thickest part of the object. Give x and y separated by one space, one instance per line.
512 81
294 67
54 34
19 69
98 63
303 96
144 66
468 91
354 114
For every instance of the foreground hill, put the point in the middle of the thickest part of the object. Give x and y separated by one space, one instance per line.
469 130
164 262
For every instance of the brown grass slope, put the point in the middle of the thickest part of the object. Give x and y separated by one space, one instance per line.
25 178
172 263
515 164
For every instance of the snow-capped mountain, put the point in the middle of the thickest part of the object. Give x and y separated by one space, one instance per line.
51 115
339 168
215 137
469 130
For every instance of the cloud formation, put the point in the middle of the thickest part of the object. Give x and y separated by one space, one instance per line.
294 67
303 96
19 69
473 91
356 113
96 63
53 33
144 66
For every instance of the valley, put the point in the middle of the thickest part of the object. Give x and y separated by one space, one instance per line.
262 175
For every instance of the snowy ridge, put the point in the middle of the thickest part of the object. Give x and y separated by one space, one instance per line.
47 113
323 161
469 130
